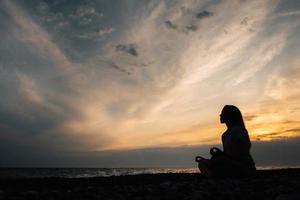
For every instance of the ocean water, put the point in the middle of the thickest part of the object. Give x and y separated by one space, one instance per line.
95 172
85 172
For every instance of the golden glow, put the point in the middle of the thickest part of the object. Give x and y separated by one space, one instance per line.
172 92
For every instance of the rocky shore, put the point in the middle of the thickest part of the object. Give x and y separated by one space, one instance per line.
283 184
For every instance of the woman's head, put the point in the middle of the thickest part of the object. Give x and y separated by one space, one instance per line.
231 115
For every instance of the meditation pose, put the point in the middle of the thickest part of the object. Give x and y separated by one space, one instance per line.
235 159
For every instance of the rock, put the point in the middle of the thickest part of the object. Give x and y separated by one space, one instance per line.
31 192
165 185
288 197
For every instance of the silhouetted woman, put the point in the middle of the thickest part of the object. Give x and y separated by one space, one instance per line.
235 159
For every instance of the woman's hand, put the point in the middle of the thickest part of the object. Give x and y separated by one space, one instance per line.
199 158
215 151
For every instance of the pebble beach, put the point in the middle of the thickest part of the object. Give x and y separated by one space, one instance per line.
280 184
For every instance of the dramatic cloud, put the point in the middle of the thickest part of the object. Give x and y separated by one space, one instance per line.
87 76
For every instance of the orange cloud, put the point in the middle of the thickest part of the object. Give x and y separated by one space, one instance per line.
277 114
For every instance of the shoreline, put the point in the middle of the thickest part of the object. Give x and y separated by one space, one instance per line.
46 172
266 184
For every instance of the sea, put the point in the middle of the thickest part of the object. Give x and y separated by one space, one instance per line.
96 172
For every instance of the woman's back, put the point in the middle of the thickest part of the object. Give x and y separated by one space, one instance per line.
236 145
236 142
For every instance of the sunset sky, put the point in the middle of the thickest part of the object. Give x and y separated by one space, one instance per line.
81 80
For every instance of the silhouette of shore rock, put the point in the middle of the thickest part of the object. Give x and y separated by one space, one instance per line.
283 184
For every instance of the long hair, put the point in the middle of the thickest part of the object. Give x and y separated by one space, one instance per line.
233 115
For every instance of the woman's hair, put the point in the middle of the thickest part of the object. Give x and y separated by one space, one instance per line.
233 115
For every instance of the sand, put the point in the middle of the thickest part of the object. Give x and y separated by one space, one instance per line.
267 184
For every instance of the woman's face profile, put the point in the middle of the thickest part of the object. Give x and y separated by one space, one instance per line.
223 117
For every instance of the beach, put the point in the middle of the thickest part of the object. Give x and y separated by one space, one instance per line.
277 184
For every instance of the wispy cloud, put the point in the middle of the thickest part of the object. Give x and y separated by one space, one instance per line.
29 91
100 33
288 14
204 14
170 25
127 48
32 34
151 80
278 110
60 102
